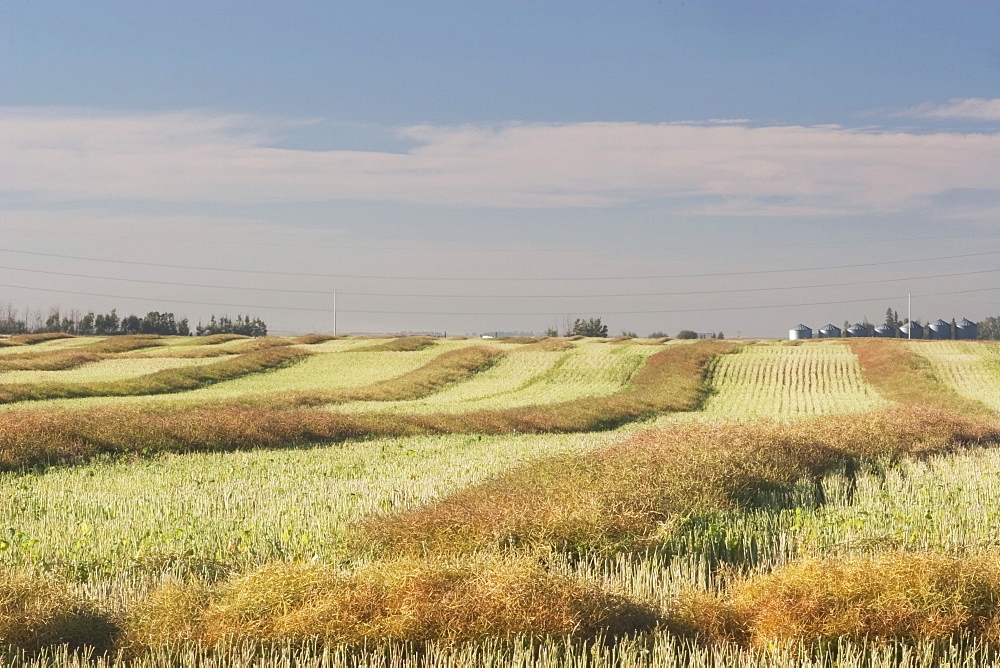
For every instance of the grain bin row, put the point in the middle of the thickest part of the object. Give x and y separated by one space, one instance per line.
939 329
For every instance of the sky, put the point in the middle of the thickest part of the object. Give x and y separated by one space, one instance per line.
480 167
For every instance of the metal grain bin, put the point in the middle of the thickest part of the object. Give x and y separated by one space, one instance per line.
912 330
800 332
831 331
886 331
967 330
857 330
939 329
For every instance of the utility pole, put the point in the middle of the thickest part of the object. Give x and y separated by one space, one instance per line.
909 317
335 313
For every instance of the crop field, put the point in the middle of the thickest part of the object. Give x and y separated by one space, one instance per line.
430 502
118 369
971 369
780 381
533 377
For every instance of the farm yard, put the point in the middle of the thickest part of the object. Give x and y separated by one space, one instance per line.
211 501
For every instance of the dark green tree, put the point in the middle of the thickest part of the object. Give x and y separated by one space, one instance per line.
131 325
590 327
989 328
86 326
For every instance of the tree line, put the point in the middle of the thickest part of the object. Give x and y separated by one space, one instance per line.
111 324
595 328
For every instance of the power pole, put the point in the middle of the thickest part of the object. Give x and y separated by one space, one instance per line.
909 317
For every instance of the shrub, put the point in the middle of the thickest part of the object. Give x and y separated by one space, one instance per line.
895 595
410 600
38 611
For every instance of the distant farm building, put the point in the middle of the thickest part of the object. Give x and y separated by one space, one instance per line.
967 330
831 331
886 331
800 332
939 329
857 330
912 330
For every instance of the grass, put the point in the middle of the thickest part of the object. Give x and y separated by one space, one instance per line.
53 361
970 369
62 359
38 611
402 344
205 513
774 382
670 381
172 379
215 339
442 370
121 344
754 543
894 595
333 366
653 650
32 339
308 595
943 504
635 493
903 376
98 369
533 375
410 600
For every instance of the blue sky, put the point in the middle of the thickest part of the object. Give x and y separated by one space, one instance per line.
471 166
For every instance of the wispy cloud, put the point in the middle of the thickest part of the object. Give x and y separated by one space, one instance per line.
972 108
773 170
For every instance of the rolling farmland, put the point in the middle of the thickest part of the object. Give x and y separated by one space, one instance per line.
499 502
971 369
780 381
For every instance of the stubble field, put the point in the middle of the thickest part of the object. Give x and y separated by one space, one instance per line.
556 502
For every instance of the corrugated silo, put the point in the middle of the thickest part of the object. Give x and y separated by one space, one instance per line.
886 331
800 332
857 330
939 329
967 330
831 331
912 330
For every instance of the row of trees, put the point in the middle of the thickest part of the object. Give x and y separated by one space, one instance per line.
111 324
594 327
989 328
244 325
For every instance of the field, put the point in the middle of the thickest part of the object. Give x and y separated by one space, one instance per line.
554 502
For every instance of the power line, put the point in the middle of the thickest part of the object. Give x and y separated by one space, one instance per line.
331 293
504 314
496 279
485 249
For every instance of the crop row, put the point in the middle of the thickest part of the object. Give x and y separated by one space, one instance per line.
775 381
